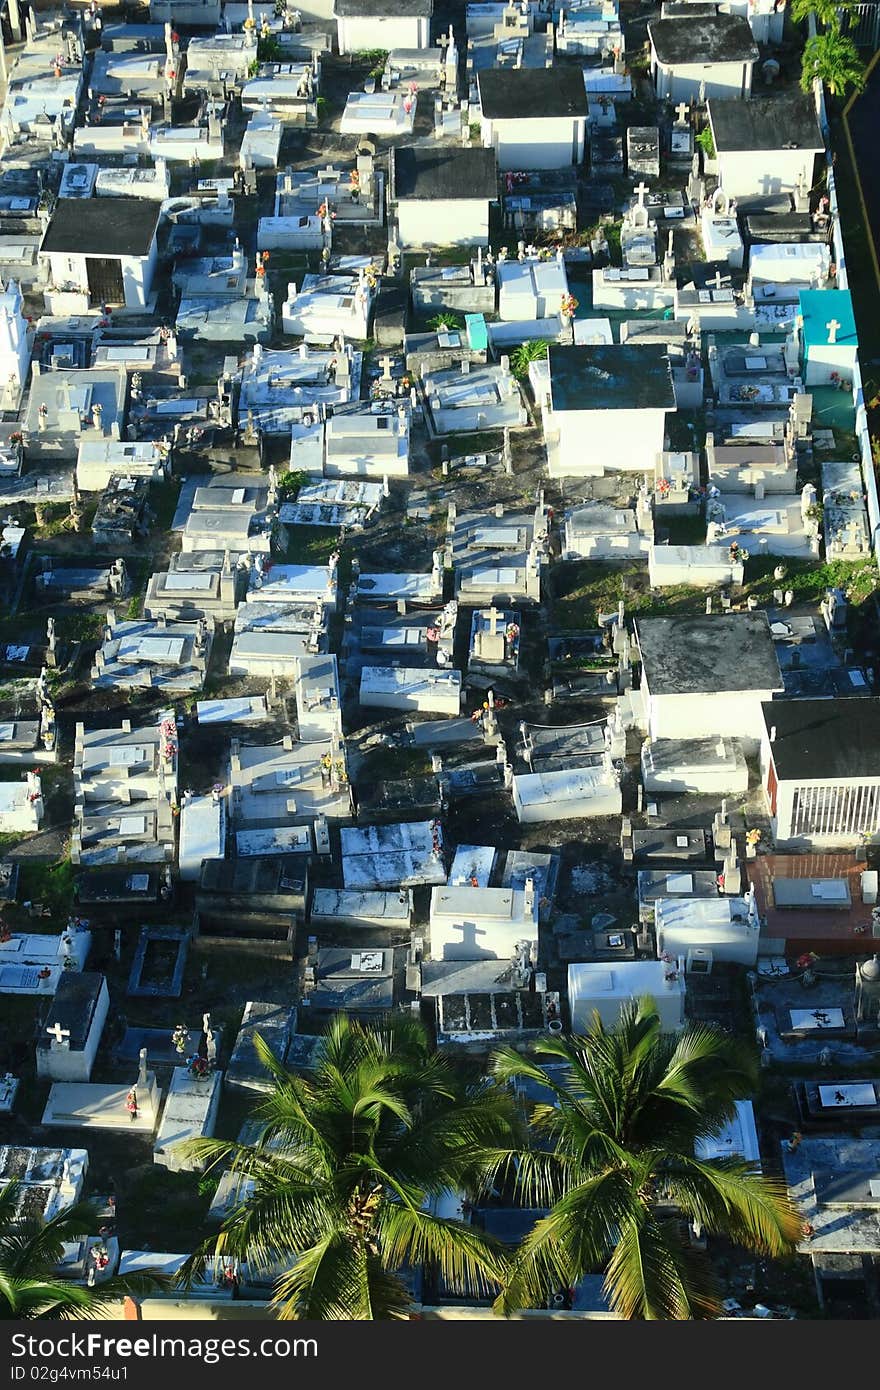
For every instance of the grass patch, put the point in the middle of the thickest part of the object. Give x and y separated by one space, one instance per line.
163 500
49 884
808 581
82 627
166 1211
589 587
390 764
684 530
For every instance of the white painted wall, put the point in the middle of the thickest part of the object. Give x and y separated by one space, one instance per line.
592 442
137 273
825 358
724 81
443 222
706 924
759 173
735 714
383 31
61 1064
548 143
606 988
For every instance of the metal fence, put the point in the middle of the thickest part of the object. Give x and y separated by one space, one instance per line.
862 25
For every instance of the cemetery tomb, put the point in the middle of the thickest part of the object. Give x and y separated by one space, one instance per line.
190 1113
392 856
396 687
69 1037
159 963
273 1023
333 907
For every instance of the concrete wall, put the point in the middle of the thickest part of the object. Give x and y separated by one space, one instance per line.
459 222
592 442
137 273
383 31
759 173
825 358
554 143
724 81
735 714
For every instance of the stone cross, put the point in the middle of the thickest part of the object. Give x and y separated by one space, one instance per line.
58 1034
386 363
681 111
832 327
142 1067
718 279
641 189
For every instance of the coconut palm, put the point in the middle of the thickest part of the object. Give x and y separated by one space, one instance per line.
30 1250
337 1190
827 13
834 59
613 1158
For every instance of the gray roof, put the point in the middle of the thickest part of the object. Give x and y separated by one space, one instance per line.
76 999
766 123
708 654
610 376
830 738
395 9
717 38
102 226
432 174
531 93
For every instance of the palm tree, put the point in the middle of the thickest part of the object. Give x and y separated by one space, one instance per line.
613 1158
30 1249
826 13
834 59
337 1190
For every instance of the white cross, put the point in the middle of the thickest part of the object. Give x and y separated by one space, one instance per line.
832 327
57 1033
386 364
641 190
718 279
681 111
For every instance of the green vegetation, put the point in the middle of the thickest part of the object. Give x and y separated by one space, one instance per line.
706 142
522 356
475 131
834 59
588 587
290 482
808 581
614 1159
163 500
30 1251
827 13
684 530
165 1209
612 232
343 1199
373 58
269 50
446 319
51 885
